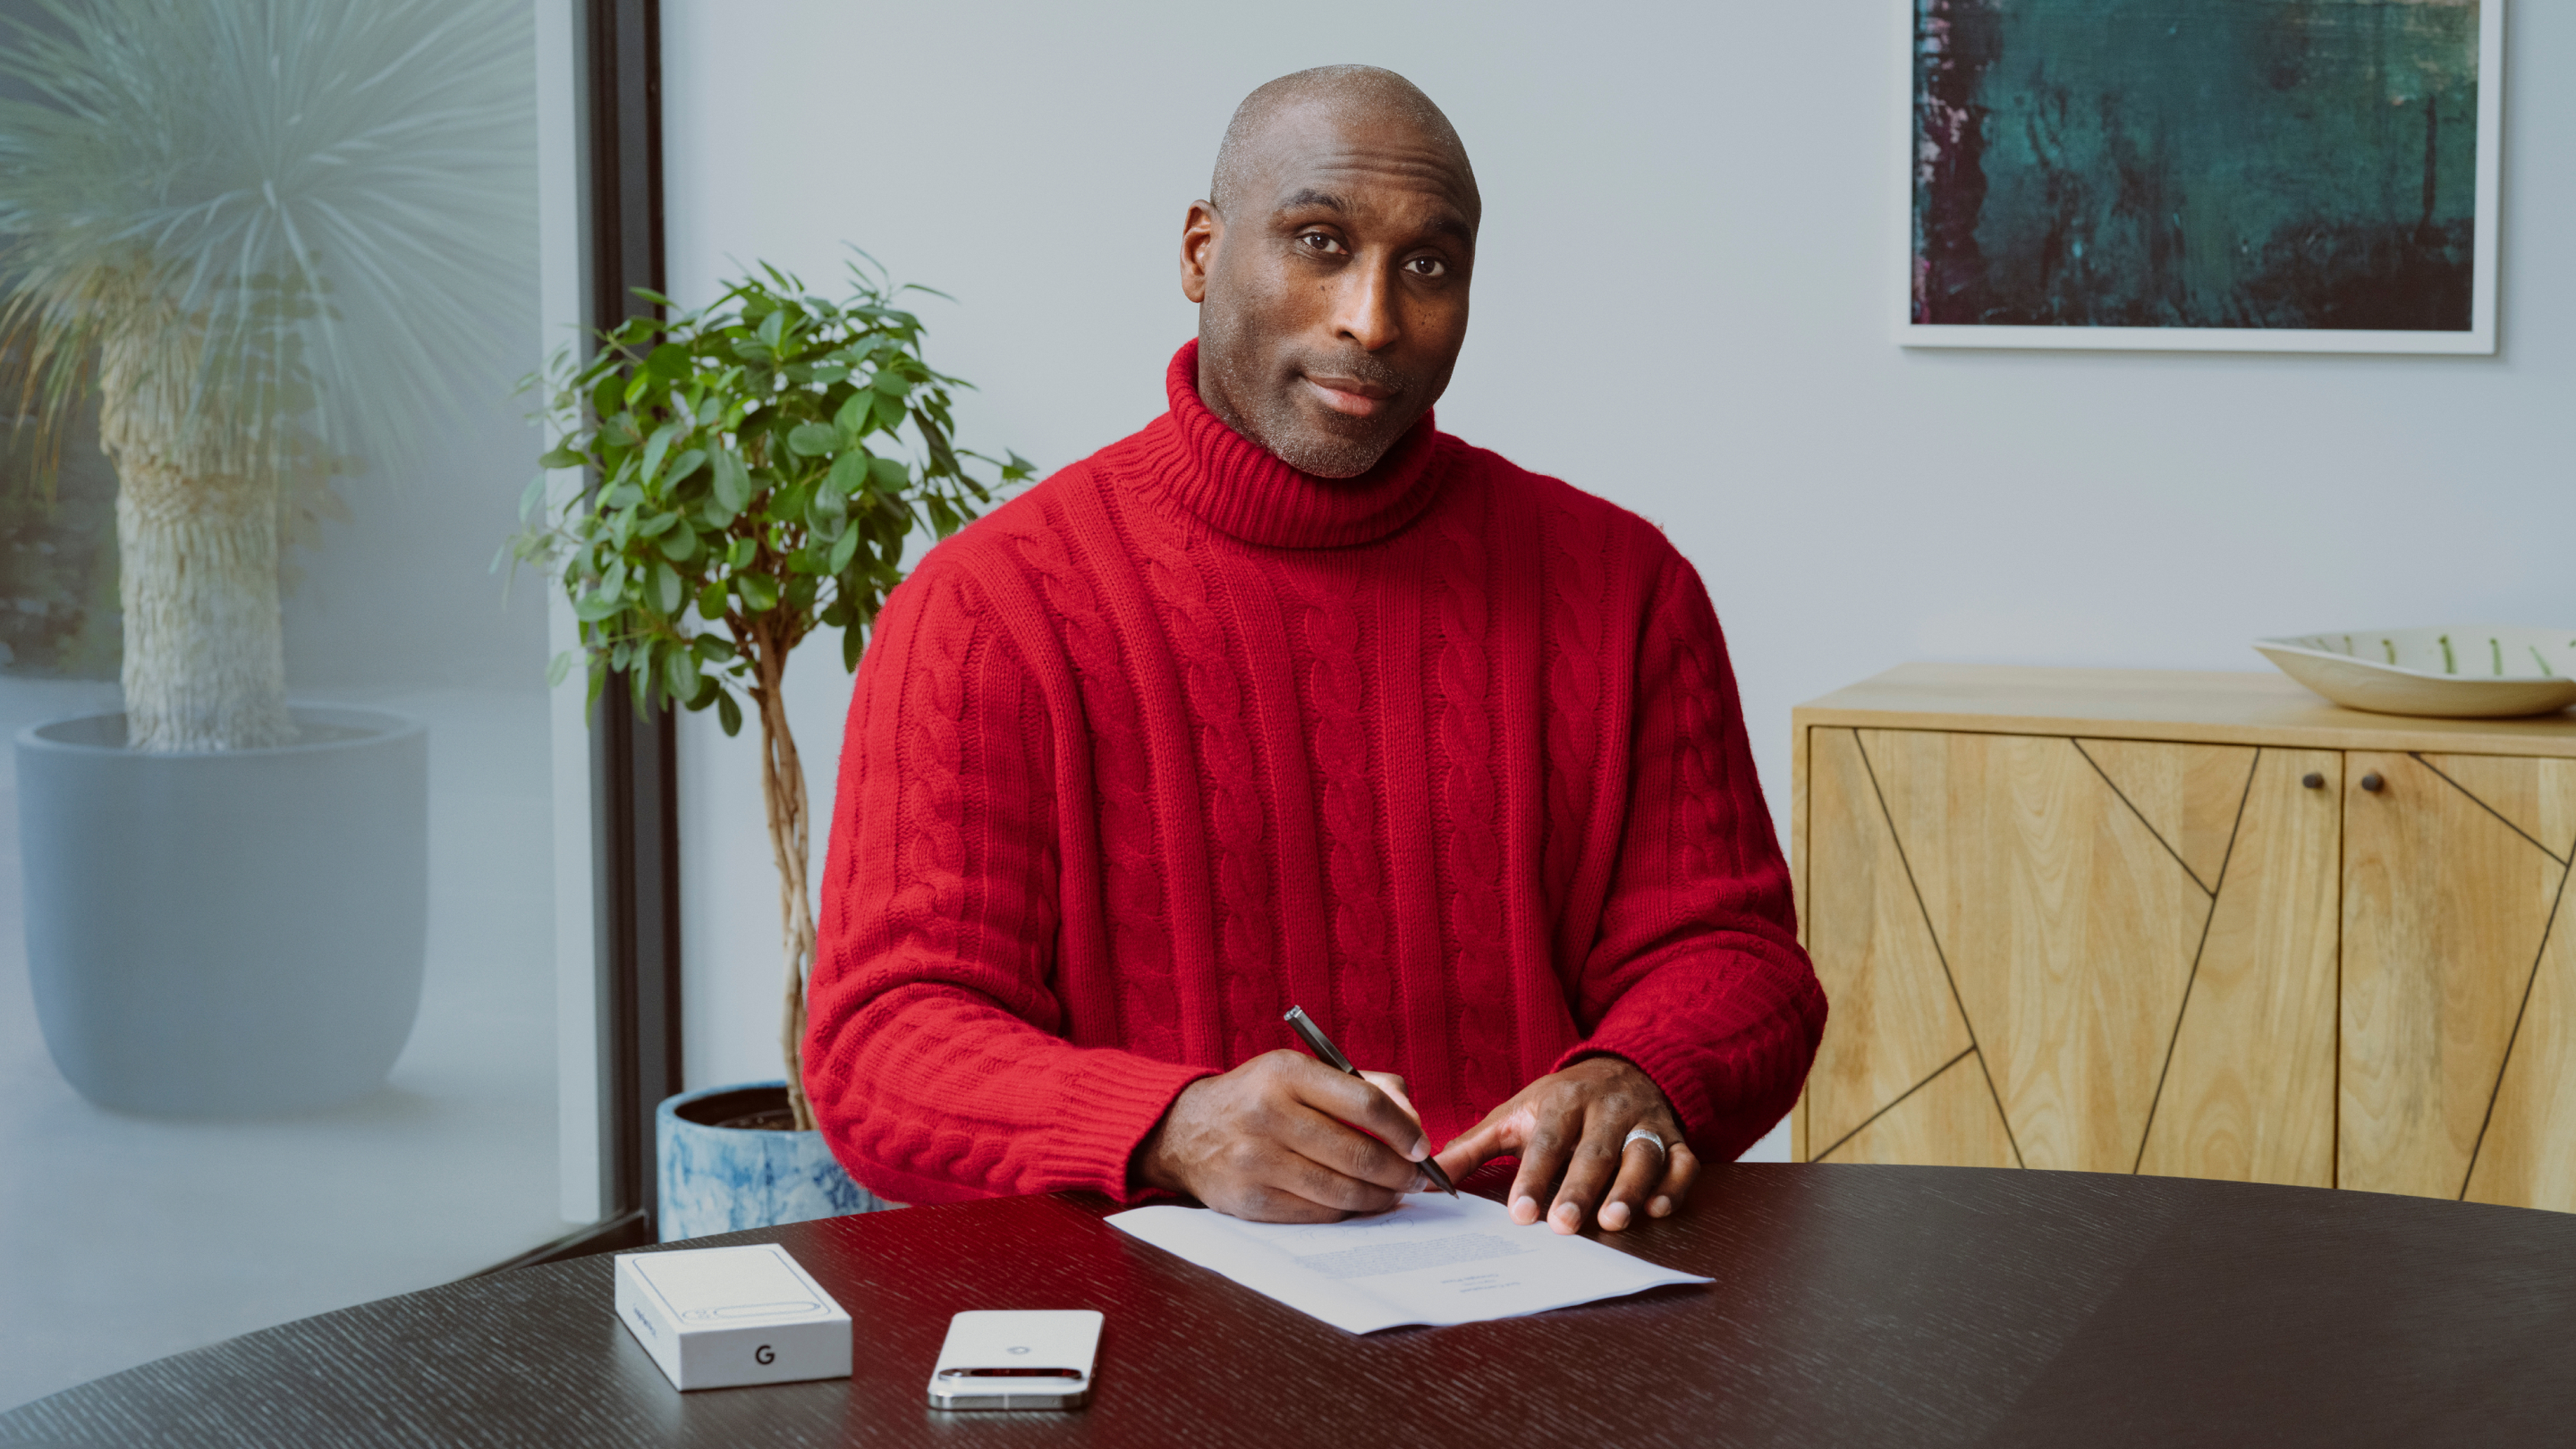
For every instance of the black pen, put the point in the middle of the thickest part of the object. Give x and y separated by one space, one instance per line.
1331 1056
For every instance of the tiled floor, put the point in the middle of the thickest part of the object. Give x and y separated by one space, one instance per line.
123 1239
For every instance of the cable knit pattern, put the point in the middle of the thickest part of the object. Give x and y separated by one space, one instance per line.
1233 787
1578 588
1474 854
1148 1009
1181 726
935 855
1338 729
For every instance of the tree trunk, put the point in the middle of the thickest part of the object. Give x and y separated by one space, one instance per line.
196 538
782 791
205 651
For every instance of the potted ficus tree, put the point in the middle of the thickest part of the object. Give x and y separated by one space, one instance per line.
258 238
758 466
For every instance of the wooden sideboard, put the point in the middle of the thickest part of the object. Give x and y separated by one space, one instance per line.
2197 924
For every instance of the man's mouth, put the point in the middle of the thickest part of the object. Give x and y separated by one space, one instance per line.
1351 396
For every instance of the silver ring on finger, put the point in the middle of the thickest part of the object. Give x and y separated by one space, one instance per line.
1647 1135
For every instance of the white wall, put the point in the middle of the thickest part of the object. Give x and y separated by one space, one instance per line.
1681 304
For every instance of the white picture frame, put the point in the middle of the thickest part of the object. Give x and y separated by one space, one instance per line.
2478 338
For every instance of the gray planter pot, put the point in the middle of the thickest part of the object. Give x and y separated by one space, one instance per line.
226 934
720 1179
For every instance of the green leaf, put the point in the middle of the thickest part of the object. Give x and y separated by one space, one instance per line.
669 591
711 601
853 643
669 361
813 440
889 411
772 328
563 458
656 446
712 647
759 593
943 461
591 608
680 545
853 417
843 549
728 714
825 512
687 463
849 474
732 480
560 666
680 674
891 475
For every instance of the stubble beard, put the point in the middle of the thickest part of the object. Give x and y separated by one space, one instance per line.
1272 416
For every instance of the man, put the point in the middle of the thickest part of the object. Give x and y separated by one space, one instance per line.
1291 699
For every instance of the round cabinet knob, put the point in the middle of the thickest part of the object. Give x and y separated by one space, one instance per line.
2373 783
2313 780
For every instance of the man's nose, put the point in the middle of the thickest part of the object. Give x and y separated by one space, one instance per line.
1364 308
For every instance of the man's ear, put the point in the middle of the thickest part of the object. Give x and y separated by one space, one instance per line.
1200 232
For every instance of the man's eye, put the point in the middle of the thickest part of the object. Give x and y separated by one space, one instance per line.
1321 242
1427 267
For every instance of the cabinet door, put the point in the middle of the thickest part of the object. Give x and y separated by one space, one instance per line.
2010 930
1895 1079
2249 1085
2458 1074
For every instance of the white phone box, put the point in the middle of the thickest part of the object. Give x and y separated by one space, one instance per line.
717 1317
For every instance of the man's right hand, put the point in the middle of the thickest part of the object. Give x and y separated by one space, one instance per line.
1285 1139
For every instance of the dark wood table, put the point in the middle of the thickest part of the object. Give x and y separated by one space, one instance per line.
1853 1306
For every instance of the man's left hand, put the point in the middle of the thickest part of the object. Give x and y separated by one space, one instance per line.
1570 1125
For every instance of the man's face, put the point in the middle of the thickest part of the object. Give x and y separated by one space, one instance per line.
1333 292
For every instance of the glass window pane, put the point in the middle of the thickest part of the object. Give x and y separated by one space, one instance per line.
282 928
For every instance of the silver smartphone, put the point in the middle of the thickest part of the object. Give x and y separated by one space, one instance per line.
1004 1359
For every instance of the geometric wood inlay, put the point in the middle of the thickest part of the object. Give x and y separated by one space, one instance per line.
2528 1154
1895 1022
2533 796
2445 910
2187 793
2249 1095
1949 1120
2068 927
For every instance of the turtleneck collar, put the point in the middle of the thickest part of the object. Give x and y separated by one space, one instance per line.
1244 491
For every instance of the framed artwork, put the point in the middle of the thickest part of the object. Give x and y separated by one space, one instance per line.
2231 175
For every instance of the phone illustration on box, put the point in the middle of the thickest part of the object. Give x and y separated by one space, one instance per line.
1032 1359
726 1287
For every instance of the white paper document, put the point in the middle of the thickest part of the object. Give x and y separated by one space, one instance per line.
1430 1259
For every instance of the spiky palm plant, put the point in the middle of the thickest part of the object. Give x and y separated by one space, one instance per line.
264 235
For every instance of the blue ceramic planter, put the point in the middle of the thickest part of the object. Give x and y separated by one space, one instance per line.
719 1179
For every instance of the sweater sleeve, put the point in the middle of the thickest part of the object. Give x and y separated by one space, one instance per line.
1696 975
933 1050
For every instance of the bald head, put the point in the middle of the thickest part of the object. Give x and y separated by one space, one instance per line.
1338 96
1330 264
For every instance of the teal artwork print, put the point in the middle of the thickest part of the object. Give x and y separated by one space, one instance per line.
2216 164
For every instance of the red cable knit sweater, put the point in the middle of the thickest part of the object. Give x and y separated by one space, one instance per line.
1448 753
